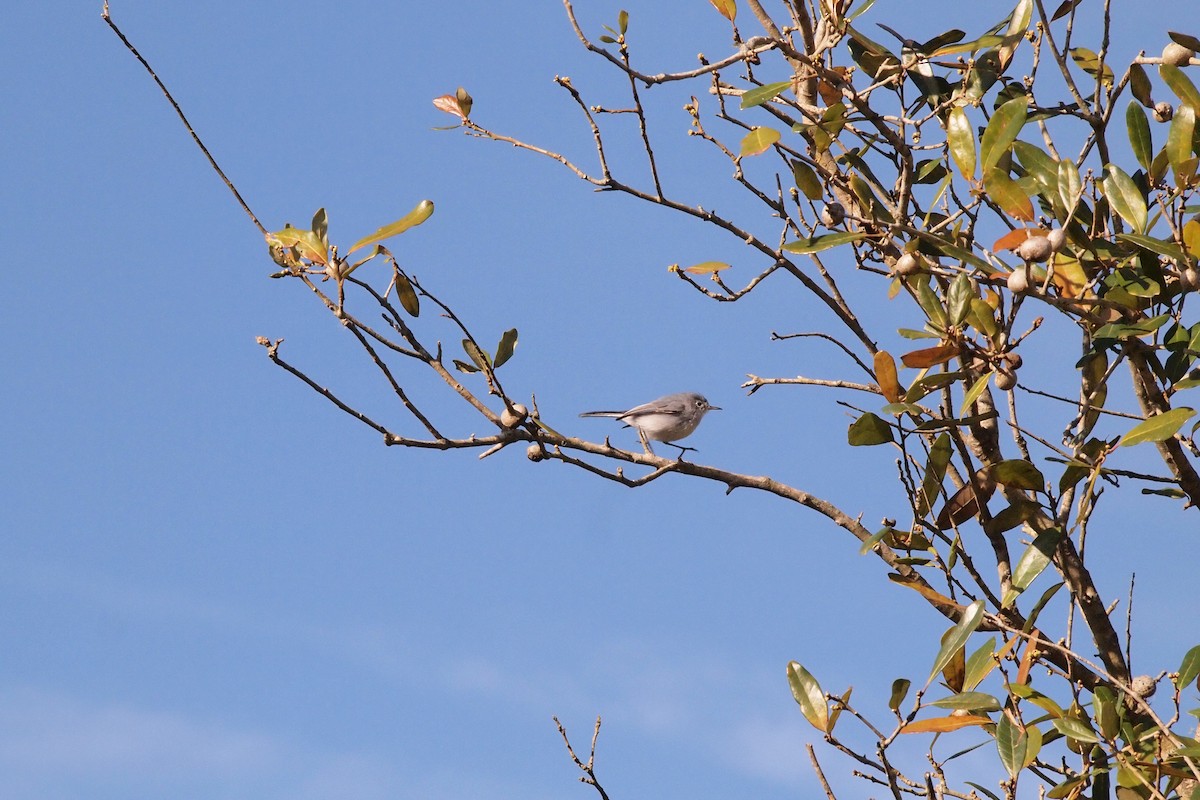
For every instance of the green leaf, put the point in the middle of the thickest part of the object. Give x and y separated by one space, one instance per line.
970 701
1033 562
1076 729
979 664
958 299
1187 40
975 391
476 354
956 637
1180 84
623 21
307 243
900 688
1180 144
320 225
419 214
1070 186
1168 249
761 94
508 343
1189 668
758 141
961 140
463 366
1018 474
1013 744
1157 428
1002 131
1008 194
1124 196
807 180
816 244
1138 127
935 473
869 430
1139 84
1090 63
809 696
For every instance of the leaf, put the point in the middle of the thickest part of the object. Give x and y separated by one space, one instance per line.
944 724
885 375
707 268
508 343
1179 144
969 701
1076 729
1066 7
1017 474
1034 561
727 8
935 473
759 140
1013 744
1180 84
1138 127
958 299
976 391
979 665
807 180
476 354
1008 194
1070 186
408 297
1002 130
320 225
307 243
868 430
816 244
1124 196
761 94
809 696
463 366
1189 668
1139 84
419 214
930 356
1167 249
1013 239
957 637
1157 428
623 21
961 140
449 103
1188 41
900 688
1090 63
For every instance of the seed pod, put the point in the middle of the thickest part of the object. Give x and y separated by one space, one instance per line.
1018 281
1143 686
907 264
511 418
1057 238
833 214
1005 379
1013 360
1177 55
1036 249
1189 279
535 453
1163 111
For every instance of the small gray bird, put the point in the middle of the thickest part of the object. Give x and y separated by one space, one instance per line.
663 420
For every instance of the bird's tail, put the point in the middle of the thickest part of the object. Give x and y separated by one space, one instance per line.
614 414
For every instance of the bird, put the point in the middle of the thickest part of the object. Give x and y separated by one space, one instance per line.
664 420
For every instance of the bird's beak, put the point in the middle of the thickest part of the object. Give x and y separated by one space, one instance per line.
715 408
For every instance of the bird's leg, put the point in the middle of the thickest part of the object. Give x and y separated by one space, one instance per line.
646 442
682 449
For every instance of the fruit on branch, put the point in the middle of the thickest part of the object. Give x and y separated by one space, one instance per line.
1176 55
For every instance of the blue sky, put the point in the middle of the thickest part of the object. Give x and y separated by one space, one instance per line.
215 585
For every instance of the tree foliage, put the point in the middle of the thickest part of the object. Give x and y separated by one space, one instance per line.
1042 275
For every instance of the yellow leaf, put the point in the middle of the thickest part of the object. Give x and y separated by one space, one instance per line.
944 724
419 214
707 268
727 8
885 373
758 141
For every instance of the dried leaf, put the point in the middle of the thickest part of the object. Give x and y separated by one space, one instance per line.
930 356
727 8
885 374
945 724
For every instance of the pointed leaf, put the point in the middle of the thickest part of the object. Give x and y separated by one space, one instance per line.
1189 668
961 139
1064 8
945 724
1090 63
727 8
1018 474
900 688
476 354
1180 143
1002 131
1124 197
623 21
957 637
930 356
969 701
761 94
1070 186
807 180
1167 249
1157 428
808 696
979 664
508 343
935 473
308 243
1036 558
1138 127
707 268
404 290
816 244
1013 744
1008 194
1076 729
758 141
1187 40
415 217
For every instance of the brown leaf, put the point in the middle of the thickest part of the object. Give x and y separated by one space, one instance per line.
930 356
885 373
449 104
944 724
964 504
